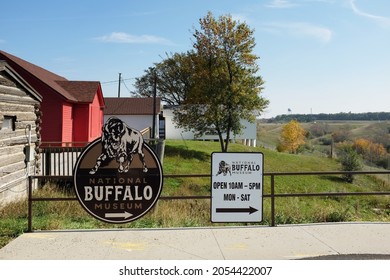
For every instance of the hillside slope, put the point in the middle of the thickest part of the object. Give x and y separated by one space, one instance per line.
193 157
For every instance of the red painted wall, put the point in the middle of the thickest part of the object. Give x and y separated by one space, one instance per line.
80 123
96 119
67 122
51 117
87 121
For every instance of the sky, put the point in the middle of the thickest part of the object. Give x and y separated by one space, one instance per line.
315 56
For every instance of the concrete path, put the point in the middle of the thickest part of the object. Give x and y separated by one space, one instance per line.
334 241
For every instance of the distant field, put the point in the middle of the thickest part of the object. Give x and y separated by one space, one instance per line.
268 134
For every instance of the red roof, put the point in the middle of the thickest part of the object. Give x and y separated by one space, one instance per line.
80 90
131 106
74 91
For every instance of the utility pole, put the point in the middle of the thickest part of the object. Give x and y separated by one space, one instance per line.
154 105
119 85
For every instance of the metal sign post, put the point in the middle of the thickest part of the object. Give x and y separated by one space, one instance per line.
237 187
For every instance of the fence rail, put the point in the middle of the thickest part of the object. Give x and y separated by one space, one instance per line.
58 161
59 158
272 195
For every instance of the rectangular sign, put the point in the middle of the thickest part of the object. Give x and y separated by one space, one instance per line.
237 187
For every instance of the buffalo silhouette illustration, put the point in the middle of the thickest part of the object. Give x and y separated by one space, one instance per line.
120 142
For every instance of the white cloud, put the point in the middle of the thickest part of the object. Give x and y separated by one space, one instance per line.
283 4
321 1
321 34
280 4
384 21
122 37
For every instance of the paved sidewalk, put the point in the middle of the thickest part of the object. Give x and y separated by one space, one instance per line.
331 240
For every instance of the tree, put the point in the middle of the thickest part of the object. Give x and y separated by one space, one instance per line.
350 161
292 136
215 85
225 87
172 78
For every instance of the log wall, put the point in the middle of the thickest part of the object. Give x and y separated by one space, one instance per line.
19 125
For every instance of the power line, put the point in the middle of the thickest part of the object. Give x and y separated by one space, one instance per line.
116 81
123 82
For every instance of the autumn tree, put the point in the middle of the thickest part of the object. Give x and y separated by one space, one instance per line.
361 145
226 85
215 85
370 151
292 136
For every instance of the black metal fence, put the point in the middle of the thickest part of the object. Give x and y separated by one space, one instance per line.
272 195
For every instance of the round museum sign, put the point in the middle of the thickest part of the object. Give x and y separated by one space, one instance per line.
118 177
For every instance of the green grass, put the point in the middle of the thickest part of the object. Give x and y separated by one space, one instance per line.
194 157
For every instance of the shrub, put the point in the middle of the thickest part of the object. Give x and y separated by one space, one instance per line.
326 141
370 151
350 161
340 135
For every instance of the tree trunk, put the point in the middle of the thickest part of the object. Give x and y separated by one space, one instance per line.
227 140
220 139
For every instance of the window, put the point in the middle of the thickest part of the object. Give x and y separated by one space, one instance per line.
9 122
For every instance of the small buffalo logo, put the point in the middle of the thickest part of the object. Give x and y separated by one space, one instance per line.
224 168
120 142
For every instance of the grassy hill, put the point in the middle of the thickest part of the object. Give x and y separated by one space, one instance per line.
193 157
